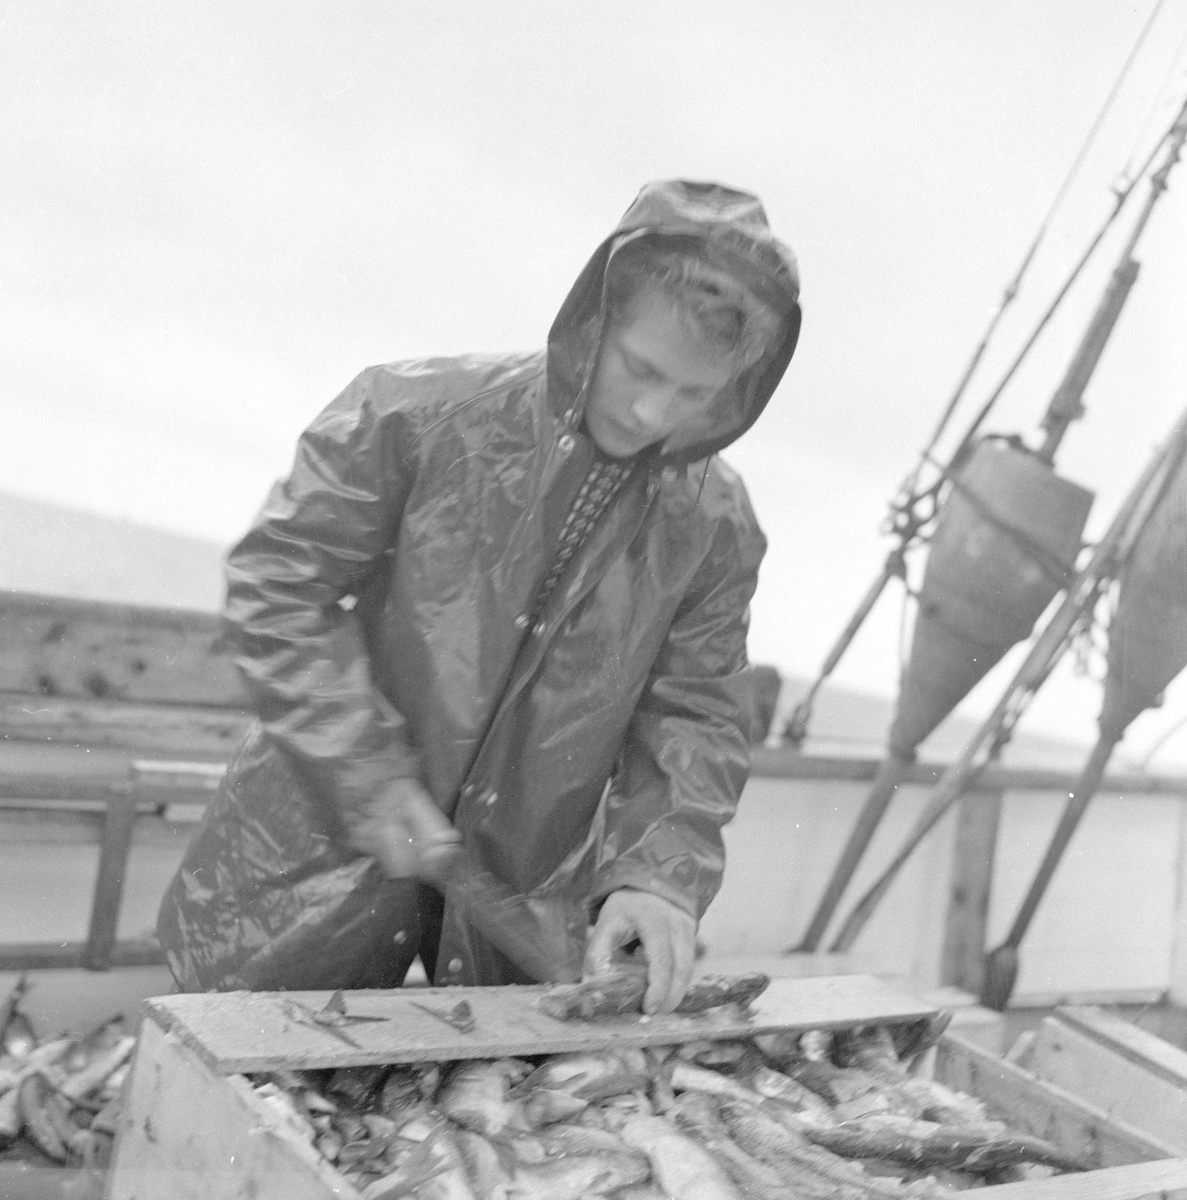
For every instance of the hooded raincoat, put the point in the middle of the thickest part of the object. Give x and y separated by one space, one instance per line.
379 609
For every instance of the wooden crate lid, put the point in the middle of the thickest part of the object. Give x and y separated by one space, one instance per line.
255 1031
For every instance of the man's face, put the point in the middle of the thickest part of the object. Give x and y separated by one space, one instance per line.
653 377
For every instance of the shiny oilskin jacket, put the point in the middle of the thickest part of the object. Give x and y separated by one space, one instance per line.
378 606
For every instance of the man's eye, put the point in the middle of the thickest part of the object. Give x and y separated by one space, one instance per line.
639 369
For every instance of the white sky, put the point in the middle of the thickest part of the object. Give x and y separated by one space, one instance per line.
213 215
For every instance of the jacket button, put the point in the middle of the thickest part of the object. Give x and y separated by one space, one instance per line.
455 966
539 630
652 486
566 443
491 798
522 621
468 791
669 474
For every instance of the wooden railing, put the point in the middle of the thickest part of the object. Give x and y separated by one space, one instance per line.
155 689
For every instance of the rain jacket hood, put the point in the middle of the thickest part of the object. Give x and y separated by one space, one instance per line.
386 613
727 229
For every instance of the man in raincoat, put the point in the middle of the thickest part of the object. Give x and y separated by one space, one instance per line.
502 600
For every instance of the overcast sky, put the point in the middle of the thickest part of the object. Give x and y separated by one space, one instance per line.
213 215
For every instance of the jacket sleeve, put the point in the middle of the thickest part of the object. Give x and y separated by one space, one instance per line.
321 532
687 750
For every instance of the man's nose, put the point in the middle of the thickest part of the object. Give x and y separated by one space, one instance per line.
651 407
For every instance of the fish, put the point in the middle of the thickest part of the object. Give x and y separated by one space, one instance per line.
357 1086
401 1094
706 1053
774 1085
476 1097
17 1037
925 1144
871 1050
592 1076
548 1105
808 1169
487 1173
620 993
569 1139
573 1178
681 1167
561 1087
696 1113
687 1077
434 1171
522 1148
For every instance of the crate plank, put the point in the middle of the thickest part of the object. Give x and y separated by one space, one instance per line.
1162 1180
250 1031
186 1134
1044 1109
1122 1069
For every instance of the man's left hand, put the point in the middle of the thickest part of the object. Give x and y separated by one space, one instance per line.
668 935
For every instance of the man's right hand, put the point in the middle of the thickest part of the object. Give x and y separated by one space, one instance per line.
405 832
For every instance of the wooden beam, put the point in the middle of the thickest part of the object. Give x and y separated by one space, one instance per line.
114 846
1177 991
45 956
88 649
962 956
156 729
151 793
785 763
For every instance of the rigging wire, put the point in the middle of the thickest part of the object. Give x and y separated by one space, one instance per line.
912 508
1120 197
1015 284
1162 741
1119 202
1155 104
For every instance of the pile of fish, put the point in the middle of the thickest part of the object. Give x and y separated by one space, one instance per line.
60 1095
775 1117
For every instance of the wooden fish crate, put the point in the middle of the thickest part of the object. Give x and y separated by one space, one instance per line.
1111 1063
194 1129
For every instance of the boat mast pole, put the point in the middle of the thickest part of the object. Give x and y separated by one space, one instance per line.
1067 404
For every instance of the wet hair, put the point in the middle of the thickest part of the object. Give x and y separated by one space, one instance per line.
716 308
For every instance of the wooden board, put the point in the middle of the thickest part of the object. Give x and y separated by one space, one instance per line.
962 958
147 729
1163 1180
55 647
1111 1063
250 1031
47 956
152 784
187 1134
785 763
1044 1109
